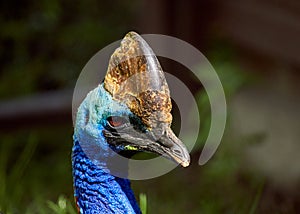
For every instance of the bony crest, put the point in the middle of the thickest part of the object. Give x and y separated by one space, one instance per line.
135 77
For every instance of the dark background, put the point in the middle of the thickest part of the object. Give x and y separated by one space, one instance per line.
254 47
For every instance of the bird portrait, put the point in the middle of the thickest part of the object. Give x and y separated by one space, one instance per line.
128 113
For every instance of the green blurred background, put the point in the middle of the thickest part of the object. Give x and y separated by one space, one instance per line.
254 47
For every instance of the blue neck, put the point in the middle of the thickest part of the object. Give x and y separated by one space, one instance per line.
97 191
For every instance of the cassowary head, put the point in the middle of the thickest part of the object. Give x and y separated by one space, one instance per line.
131 110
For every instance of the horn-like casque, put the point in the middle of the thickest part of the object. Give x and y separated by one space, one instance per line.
135 77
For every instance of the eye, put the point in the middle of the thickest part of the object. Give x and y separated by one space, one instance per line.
116 121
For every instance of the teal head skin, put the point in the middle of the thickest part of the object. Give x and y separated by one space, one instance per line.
96 116
100 123
114 120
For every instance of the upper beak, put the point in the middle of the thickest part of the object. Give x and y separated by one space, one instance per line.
167 144
173 148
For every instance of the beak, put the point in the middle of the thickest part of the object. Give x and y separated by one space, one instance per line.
166 145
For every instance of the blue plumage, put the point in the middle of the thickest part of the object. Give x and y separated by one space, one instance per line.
97 191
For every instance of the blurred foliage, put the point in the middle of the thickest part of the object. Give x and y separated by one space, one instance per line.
232 78
32 166
45 44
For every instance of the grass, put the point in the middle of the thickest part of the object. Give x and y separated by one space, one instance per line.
257 198
10 196
143 203
31 174
63 206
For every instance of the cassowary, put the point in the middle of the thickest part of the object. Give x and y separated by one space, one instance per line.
129 112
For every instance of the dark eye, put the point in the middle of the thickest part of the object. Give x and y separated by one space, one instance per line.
116 121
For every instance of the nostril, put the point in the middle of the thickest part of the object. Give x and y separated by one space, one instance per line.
177 151
165 143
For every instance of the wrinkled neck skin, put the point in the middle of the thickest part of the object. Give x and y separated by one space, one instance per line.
97 190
